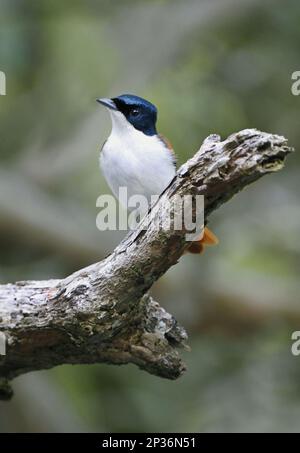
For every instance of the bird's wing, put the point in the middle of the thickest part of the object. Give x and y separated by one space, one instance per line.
168 146
208 237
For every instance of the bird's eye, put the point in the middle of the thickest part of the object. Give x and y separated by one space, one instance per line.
135 112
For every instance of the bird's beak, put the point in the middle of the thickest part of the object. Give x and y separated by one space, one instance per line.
109 103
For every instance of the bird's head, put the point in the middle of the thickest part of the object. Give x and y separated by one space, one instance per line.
138 112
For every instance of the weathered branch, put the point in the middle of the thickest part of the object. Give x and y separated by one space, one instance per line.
103 313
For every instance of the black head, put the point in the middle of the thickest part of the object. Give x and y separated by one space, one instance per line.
139 112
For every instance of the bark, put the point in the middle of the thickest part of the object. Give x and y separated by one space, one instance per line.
103 313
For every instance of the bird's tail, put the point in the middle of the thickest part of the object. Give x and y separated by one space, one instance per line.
208 238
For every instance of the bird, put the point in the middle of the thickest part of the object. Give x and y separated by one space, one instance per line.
137 157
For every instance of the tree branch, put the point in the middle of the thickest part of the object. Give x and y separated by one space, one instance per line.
103 313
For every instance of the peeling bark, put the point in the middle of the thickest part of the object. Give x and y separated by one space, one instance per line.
103 313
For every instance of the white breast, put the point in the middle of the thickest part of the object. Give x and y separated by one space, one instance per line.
134 160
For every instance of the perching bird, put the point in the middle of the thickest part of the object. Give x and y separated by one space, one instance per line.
137 157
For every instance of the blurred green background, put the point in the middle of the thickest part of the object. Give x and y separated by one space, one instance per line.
209 66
